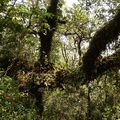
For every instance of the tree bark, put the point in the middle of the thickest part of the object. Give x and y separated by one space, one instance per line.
105 35
46 34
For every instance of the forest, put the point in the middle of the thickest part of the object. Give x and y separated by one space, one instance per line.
59 62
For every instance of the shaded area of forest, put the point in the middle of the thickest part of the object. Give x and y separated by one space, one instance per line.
59 63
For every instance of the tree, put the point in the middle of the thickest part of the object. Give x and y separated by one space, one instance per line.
34 31
47 32
99 42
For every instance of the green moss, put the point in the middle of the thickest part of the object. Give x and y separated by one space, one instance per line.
108 33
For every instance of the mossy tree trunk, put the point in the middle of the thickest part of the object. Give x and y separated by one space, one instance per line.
103 36
47 33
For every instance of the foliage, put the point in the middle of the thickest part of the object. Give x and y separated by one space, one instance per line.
59 90
72 103
13 104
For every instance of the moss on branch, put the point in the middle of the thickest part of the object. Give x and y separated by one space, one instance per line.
108 33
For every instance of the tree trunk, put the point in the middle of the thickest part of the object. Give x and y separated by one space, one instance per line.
46 34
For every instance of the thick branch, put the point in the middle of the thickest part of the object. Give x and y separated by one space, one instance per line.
105 35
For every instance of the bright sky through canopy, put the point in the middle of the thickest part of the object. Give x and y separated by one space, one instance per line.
70 2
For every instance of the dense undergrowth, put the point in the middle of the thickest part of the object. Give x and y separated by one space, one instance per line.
101 97
47 69
14 105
